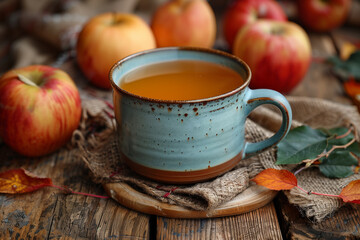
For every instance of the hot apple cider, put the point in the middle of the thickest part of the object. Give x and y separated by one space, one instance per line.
181 80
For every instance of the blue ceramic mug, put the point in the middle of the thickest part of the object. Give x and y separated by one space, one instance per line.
198 139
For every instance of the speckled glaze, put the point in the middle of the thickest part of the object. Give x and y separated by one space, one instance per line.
189 141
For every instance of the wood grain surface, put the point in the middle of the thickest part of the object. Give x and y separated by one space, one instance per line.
50 214
258 224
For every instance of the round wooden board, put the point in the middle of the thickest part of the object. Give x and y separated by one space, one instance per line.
252 198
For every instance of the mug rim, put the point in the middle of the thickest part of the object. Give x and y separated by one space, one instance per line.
194 49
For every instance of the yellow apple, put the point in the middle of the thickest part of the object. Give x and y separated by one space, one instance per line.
107 38
184 23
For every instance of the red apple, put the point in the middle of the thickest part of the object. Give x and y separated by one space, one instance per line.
278 53
323 15
184 23
39 109
107 38
242 12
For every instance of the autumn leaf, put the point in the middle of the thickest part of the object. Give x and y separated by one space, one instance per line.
351 193
276 179
285 180
20 181
352 87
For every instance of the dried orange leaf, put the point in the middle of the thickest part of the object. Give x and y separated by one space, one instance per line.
276 179
351 193
20 181
352 87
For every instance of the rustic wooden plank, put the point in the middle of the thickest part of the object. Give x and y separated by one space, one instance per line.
319 81
49 213
344 224
258 224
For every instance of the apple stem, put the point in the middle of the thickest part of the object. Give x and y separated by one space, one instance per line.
26 80
116 19
278 31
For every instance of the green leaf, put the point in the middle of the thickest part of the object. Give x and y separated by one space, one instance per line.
339 164
307 143
354 148
301 143
350 67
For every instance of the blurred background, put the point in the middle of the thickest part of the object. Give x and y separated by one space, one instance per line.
46 31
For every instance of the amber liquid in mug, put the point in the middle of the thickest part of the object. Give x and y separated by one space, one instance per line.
181 80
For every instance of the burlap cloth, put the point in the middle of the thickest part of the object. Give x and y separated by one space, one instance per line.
100 152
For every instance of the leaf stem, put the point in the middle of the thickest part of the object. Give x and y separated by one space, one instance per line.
309 164
109 114
320 194
352 128
109 105
68 190
340 147
345 134
300 169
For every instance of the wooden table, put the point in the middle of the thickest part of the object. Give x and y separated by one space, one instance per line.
50 214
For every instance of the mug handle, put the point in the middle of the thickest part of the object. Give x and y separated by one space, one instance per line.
255 98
